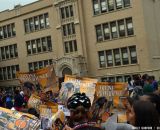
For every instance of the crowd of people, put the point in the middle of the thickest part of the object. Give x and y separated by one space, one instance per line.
142 107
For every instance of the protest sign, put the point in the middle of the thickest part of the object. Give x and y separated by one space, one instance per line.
73 84
14 120
114 92
45 77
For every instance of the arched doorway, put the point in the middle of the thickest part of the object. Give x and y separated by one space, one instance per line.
66 70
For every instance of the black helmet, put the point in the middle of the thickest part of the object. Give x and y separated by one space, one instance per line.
78 99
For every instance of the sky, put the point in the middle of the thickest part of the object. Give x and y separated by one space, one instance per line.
9 4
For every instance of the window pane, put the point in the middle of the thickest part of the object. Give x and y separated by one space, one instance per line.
75 45
13 68
30 67
102 61
45 63
66 45
114 30
1 33
40 64
67 11
50 62
125 59
3 53
17 67
118 4
31 24
129 26
15 50
9 72
26 25
109 58
46 17
126 77
39 45
106 31
34 50
11 49
1 74
99 33
5 31
7 52
49 42
42 25
13 29
28 47
71 10
73 28
119 79
111 79
110 5
70 46
104 79
9 30
36 23
44 44
121 27
64 30
117 57
133 54
126 3
103 6
69 29
35 65
62 13
4 74
96 7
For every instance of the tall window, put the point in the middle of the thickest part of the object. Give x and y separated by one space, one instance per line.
103 4
13 29
102 61
109 58
106 31
71 10
15 50
7 52
31 24
9 30
96 7
26 25
5 31
125 59
33 46
99 33
44 44
110 5
67 11
39 45
118 4
126 3
42 24
1 33
49 43
62 13
68 29
11 49
28 47
46 18
36 23
114 30
129 26
117 58
133 54
121 27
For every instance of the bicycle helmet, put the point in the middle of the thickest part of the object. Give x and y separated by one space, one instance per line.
77 100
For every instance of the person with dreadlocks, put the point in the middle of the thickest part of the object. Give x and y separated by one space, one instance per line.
79 106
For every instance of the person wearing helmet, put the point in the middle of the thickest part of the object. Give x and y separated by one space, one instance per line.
79 105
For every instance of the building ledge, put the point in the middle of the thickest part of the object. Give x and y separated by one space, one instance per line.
156 57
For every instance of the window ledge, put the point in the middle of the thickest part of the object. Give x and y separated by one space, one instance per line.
118 66
39 53
7 38
115 39
116 10
9 59
37 30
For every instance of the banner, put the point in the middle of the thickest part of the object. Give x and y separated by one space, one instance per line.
46 77
114 92
14 120
73 84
